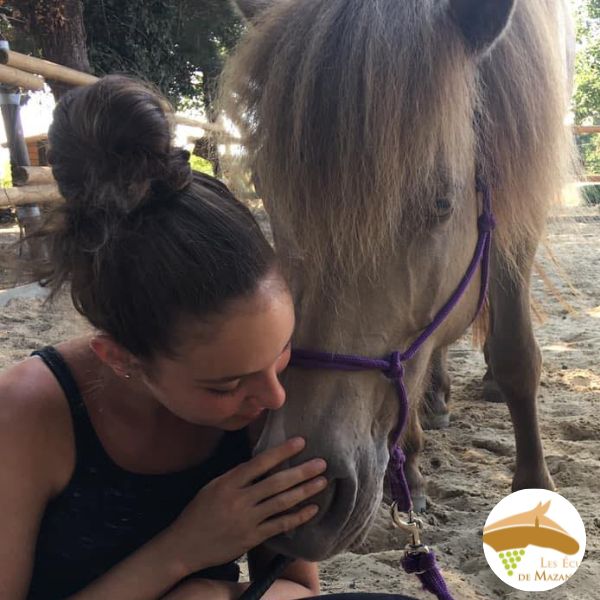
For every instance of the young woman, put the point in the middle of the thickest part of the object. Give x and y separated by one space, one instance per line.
126 469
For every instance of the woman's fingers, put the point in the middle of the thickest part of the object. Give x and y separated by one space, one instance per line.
286 479
288 522
286 500
265 461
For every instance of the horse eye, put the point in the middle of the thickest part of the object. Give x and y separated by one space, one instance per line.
443 208
443 205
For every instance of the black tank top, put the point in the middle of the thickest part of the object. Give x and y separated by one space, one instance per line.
105 513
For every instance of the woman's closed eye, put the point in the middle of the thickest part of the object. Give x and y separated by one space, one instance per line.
224 392
230 391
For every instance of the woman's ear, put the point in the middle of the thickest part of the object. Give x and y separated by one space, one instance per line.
113 355
481 22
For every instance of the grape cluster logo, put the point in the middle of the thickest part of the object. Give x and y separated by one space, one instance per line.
534 540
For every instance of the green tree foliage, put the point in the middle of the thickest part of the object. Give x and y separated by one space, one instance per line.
13 26
168 42
207 30
587 93
179 45
57 30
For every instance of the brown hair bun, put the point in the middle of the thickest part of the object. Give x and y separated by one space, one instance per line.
110 147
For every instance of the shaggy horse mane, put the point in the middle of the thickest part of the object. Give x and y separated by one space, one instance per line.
357 115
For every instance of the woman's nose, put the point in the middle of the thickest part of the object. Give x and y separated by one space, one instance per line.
269 392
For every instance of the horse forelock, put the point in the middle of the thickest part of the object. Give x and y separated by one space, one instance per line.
357 115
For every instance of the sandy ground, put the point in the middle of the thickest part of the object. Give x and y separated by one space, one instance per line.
468 465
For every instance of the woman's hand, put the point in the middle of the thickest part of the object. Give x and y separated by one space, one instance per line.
235 513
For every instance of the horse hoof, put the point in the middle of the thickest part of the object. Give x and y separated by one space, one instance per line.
435 413
430 422
492 393
419 504
533 478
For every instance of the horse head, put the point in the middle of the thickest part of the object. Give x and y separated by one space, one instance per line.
366 124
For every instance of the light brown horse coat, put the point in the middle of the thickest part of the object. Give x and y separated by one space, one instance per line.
365 123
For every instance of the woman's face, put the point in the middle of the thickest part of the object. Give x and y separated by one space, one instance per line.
228 378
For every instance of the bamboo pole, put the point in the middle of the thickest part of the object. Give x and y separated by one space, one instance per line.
32 176
47 69
18 78
189 122
29 194
584 129
223 138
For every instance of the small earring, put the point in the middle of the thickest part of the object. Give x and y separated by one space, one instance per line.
127 376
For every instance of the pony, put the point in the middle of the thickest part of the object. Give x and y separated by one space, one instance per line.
366 124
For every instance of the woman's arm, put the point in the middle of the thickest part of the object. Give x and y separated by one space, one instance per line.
26 483
299 580
206 589
147 574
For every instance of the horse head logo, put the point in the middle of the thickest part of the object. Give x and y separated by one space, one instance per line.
532 527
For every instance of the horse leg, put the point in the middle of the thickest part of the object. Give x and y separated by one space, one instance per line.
413 445
515 363
435 413
491 390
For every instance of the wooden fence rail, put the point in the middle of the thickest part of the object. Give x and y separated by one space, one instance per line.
35 185
17 78
29 72
585 129
29 194
45 68
32 176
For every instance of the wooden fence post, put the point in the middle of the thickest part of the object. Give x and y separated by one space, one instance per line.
28 215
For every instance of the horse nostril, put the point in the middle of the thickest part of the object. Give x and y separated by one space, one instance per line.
332 501
330 529
333 497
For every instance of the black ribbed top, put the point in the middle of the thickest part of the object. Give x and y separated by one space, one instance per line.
105 513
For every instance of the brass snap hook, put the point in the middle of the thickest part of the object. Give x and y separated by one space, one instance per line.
412 528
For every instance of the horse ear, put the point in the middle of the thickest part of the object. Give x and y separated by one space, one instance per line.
481 21
250 9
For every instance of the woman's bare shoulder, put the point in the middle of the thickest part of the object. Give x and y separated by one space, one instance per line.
28 389
35 421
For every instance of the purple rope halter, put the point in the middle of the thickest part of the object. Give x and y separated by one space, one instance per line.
421 563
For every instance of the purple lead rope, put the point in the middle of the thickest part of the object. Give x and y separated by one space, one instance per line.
423 563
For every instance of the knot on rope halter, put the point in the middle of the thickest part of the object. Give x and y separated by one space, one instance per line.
424 565
396 368
398 485
486 223
397 456
419 561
